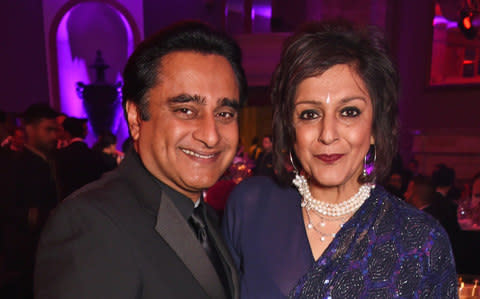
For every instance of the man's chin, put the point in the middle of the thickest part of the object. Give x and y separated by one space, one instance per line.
201 183
47 149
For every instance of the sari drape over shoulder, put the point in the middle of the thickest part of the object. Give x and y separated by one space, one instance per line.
388 249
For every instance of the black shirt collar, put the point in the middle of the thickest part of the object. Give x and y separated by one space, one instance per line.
183 204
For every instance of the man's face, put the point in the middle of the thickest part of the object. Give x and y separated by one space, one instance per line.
267 144
43 135
192 134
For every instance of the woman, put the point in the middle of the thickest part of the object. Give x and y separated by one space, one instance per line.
327 231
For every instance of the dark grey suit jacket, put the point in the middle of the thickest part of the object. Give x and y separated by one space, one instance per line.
123 237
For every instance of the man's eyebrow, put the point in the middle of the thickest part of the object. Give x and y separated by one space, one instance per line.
233 103
185 98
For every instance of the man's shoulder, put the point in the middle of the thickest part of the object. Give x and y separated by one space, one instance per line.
111 191
75 148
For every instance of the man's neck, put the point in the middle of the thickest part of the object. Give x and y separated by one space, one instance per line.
442 190
36 151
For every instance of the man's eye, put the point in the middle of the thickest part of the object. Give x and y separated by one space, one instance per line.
309 114
226 115
185 111
350 112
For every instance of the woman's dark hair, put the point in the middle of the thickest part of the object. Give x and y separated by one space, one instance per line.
309 53
142 68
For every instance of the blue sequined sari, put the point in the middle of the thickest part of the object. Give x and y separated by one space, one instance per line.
387 250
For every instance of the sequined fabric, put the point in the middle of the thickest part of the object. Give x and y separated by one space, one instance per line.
387 249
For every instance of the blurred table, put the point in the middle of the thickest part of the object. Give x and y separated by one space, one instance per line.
469 287
466 224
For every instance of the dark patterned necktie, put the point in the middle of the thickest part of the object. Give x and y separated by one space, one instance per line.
197 220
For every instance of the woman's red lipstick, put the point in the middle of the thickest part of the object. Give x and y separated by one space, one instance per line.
329 158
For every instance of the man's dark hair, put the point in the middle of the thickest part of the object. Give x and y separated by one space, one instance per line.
36 112
444 176
75 126
316 48
141 71
424 188
105 140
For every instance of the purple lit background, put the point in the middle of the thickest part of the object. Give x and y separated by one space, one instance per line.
106 29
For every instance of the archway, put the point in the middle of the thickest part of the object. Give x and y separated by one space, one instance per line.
70 56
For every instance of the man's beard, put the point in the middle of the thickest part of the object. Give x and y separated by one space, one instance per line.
46 148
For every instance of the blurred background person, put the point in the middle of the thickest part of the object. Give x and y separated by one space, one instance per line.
15 142
420 192
255 149
264 163
106 147
444 206
30 195
62 139
76 164
394 184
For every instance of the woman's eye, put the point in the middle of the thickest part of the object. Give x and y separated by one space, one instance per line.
308 114
350 112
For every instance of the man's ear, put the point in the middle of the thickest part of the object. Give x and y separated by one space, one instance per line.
134 120
29 130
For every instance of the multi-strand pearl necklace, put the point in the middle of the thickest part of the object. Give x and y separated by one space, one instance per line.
339 221
329 209
326 211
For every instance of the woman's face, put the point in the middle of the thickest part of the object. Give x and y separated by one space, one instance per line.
333 122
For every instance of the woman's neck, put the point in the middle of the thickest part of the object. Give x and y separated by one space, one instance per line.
333 194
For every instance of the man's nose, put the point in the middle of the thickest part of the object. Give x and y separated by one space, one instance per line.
207 131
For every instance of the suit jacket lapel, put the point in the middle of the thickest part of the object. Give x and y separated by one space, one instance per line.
226 259
180 237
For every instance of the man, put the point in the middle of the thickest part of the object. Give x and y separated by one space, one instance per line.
34 186
30 194
419 192
443 206
265 159
132 233
76 164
